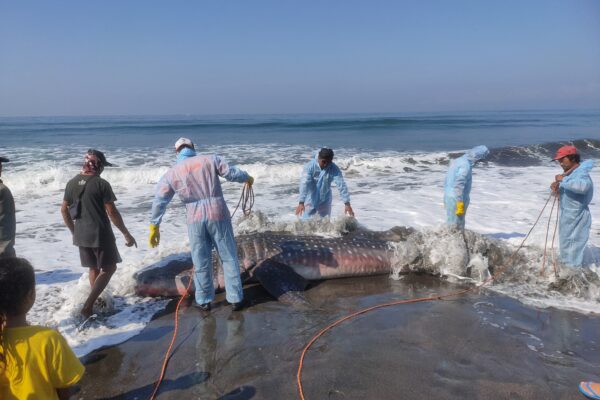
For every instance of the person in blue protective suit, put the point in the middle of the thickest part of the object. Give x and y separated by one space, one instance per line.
315 187
458 185
195 179
575 190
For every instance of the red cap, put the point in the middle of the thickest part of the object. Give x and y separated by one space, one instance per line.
565 151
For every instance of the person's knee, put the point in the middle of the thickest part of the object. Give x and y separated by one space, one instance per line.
109 269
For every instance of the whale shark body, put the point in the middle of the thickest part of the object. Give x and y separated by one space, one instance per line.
284 263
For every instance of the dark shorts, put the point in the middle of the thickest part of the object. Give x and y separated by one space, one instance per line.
99 257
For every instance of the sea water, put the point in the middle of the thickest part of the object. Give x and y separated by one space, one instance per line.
394 166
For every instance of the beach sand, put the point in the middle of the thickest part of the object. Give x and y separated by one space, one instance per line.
478 346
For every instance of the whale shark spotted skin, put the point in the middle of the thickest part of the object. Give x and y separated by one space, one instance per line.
283 262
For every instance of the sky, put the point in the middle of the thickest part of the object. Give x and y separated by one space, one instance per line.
270 57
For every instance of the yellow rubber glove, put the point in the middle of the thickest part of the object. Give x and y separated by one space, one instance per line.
460 208
154 238
250 181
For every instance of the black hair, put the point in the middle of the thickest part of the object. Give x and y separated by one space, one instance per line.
17 280
183 146
326 154
576 158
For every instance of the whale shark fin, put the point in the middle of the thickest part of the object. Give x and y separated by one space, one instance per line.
281 281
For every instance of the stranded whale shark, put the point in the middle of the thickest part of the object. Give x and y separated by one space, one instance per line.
283 263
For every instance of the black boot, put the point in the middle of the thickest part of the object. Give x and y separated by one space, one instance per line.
203 307
237 306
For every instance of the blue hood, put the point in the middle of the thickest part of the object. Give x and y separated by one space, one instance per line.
477 153
586 166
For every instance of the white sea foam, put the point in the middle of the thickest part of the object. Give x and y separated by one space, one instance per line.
387 188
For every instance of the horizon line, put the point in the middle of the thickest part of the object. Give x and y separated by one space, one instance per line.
303 113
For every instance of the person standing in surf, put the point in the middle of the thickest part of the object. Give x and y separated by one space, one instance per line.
8 222
458 185
315 187
195 178
575 190
87 209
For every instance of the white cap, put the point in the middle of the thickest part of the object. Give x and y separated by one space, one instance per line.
183 142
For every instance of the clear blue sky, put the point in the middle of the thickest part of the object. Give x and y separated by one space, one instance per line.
206 57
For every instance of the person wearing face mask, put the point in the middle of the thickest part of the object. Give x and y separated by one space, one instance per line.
315 187
575 190
195 179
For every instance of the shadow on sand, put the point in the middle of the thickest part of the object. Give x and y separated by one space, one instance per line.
183 382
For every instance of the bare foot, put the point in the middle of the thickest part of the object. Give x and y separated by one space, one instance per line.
86 312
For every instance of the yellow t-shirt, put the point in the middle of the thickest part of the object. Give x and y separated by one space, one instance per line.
38 361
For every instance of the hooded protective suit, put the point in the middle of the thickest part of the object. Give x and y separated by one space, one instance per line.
458 184
576 191
195 179
315 188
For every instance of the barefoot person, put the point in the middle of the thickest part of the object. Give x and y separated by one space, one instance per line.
88 204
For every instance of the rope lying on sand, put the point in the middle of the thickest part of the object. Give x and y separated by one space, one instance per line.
409 301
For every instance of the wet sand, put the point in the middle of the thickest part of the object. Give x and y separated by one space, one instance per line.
479 346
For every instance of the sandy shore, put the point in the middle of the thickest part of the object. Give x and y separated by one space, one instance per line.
480 346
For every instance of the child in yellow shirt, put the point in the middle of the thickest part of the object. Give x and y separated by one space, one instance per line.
35 362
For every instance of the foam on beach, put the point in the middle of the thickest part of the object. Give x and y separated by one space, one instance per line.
388 188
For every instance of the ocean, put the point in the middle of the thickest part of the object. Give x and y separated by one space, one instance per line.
394 166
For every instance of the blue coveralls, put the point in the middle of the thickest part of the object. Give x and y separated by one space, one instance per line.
195 179
315 188
458 183
576 191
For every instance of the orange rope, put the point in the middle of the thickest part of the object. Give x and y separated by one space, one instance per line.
406 301
168 353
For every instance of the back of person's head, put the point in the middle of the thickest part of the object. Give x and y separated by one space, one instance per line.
17 280
182 143
576 158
